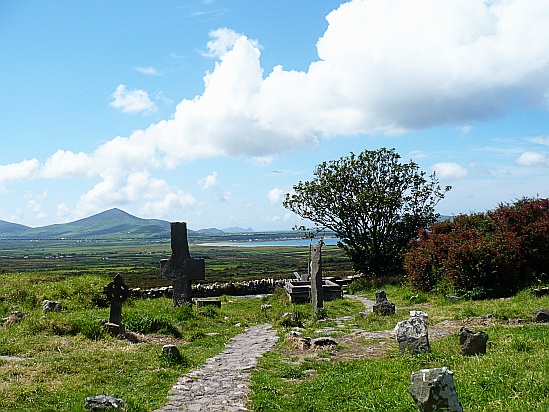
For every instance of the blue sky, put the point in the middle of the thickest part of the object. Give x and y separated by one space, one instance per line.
210 111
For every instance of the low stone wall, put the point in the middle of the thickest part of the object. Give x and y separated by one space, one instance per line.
251 287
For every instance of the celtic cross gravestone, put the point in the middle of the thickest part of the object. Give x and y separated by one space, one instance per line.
117 292
181 269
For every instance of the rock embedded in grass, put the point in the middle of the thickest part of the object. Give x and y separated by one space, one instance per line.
51 306
434 390
541 315
170 351
104 403
472 343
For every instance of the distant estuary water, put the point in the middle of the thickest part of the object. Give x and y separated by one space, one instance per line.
288 242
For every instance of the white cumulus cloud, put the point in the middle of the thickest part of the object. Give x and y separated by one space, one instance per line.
384 67
132 101
275 196
14 172
208 181
118 188
449 170
532 159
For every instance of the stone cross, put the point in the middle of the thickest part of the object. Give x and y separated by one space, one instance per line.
181 269
117 292
316 277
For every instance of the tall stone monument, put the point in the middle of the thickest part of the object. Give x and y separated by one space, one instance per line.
181 269
316 277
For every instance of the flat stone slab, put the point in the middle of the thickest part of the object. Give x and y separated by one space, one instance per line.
12 358
201 302
222 383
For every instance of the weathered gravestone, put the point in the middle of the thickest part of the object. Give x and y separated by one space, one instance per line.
181 269
117 292
382 305
317 297
412 334
433 390
472 343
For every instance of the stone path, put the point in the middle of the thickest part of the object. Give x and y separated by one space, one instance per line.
221 384
369 304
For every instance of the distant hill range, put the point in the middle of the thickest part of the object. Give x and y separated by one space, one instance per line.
111 224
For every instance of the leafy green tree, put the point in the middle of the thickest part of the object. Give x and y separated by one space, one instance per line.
374 203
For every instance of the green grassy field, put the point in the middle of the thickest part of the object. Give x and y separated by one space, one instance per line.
68 355
139 261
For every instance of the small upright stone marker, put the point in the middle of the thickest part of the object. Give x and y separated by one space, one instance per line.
117 292
382 305
316 277
171 352
181 269
433 390
412 334
472 343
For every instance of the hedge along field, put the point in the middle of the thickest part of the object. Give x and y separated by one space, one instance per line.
490 254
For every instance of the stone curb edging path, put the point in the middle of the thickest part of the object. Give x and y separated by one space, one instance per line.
221 384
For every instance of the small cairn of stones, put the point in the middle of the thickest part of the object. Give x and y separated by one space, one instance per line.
382 305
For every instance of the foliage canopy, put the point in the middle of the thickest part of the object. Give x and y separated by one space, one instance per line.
373 203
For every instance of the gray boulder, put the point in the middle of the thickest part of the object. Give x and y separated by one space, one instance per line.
434 390
104 403
541 315
170 351
472 343
51 306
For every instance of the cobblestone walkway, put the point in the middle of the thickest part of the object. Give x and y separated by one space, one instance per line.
221 384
